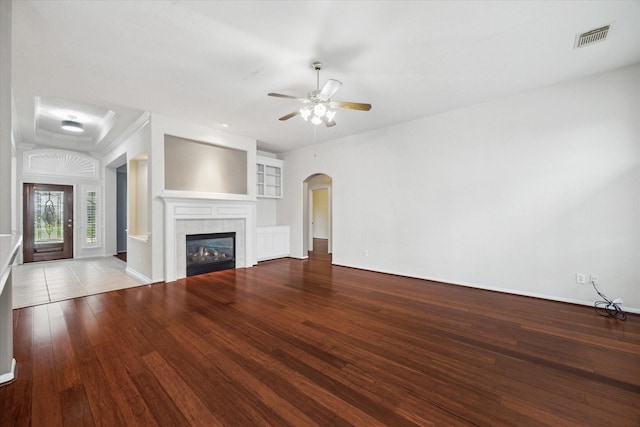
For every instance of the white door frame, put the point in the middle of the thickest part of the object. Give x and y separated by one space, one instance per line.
310 215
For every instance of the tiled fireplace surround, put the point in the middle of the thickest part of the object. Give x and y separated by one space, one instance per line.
199 216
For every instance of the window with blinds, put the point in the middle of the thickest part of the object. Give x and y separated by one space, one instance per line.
91 218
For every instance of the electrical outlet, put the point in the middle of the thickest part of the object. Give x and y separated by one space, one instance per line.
594 278
581 278
366 253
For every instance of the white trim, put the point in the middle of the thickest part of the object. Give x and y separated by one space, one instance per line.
198 195
273 162
179 208
60 163
491 288
9 254
329 188
84 189
139 276
138 124
11 375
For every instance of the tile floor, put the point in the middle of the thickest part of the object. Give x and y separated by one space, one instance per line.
42 282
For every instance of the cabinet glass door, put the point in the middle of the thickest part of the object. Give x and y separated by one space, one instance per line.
260 180
272 181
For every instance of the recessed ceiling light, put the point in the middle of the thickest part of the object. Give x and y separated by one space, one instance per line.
224 125
72 126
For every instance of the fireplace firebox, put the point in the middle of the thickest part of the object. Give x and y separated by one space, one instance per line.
207 253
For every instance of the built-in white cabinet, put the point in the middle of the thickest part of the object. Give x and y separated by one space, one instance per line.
269 177
273 242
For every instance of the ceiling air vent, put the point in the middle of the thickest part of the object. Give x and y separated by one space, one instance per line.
591 37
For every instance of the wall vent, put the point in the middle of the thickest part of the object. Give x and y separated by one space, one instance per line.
591 37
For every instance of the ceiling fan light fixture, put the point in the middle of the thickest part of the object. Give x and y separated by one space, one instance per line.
305 112
72 126
330 114
319 110
318 102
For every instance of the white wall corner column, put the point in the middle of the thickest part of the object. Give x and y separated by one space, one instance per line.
10 243
7 148
9 247
191 215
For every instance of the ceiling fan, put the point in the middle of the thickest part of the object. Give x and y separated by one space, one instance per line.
319 108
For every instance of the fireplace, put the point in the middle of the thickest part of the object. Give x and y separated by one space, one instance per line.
207 253
185 216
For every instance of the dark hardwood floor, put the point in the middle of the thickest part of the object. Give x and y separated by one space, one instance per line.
293 342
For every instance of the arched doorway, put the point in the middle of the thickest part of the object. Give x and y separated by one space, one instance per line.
317 211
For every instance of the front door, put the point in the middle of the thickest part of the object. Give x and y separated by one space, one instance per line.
48 222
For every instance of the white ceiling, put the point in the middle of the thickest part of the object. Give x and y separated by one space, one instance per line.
212 62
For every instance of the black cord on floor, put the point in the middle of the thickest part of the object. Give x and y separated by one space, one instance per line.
607 307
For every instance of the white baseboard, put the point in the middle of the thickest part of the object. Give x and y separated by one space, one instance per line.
139 276
11 375
495 289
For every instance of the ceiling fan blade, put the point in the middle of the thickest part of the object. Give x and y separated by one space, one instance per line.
328 123
350 105
288 116
329 89
279 95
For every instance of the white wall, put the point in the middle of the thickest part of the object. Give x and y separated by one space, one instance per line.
161 126
146 256
58 174
7 149
266 211
517 194
266 208
139 251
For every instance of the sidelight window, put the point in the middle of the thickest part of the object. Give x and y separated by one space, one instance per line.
91 201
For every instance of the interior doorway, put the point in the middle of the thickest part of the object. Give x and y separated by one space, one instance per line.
320 213
121 212
116 207
47 222
317 212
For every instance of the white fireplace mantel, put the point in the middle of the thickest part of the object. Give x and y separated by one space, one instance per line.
180 210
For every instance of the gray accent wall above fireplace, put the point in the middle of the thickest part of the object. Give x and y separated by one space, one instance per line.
199 166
